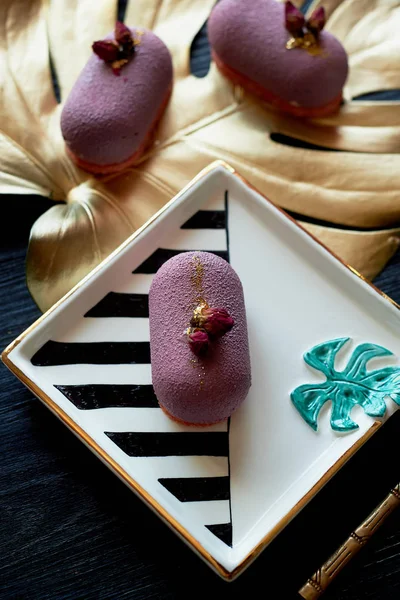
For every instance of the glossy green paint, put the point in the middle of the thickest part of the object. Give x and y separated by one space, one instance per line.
345 389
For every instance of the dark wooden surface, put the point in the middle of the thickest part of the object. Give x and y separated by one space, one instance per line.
70 529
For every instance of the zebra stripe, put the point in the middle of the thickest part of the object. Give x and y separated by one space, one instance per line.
121 305
96 353
206 219
90 397
117 378
196 489
204 443
223 531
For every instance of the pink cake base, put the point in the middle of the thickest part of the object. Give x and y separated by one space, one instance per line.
132 160
177 420
273 100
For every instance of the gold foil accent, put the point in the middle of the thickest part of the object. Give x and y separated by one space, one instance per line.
196 320
197 277
308 42
199 303
197 365
118 64
202 367
197 282
137 40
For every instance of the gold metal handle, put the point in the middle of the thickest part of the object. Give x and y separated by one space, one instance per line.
317 584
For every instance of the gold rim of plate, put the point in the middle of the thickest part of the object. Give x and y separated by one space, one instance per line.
114 466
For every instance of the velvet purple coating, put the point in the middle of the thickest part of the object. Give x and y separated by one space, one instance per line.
106 118
197 390
250 37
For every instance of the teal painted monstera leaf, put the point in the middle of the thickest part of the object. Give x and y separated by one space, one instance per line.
345 389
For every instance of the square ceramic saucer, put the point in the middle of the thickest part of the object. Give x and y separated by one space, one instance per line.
228 489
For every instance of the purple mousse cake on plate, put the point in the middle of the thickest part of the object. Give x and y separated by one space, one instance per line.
110 116
198 338
273 52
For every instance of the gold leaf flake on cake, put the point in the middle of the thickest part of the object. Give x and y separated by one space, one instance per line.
309 43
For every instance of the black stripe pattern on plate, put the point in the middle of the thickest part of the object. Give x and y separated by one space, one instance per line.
121 305
93 353
94 396
223 531
197 489
204 443
206 219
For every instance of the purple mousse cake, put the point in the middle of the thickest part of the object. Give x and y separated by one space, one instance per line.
273 52
110 116
198 339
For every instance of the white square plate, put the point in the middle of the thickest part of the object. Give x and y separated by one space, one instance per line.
227 490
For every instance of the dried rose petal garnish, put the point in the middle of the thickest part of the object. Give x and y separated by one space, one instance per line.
317 20
294 19
107 50
216 321
305 33
116 52
123 35
198 342
207 324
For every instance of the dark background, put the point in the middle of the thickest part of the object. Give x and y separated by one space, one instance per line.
70 529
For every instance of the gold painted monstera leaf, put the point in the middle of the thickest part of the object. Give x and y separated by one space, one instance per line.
355 186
